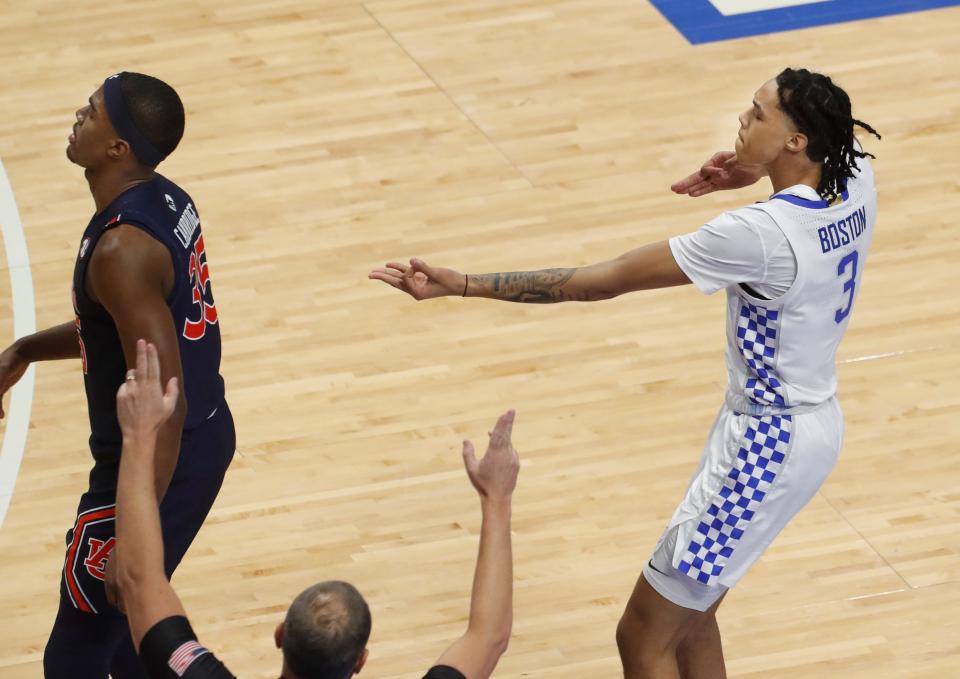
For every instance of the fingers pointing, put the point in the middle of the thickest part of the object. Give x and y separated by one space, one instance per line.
387 277
140 368
147 370
684 184
394 274
469 457
153 364
420 265
503 429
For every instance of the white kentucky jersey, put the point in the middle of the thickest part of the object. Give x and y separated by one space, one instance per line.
781 352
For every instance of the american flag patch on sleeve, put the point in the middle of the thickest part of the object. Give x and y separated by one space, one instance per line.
183 657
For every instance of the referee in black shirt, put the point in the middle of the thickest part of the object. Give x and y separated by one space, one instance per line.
325 633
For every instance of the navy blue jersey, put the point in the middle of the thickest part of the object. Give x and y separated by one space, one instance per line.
162 209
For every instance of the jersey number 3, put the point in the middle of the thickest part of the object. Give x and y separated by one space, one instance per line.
849 285
200 277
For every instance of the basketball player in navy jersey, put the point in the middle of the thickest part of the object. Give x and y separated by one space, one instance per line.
141 271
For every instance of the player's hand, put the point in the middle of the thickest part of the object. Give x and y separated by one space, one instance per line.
12 367
419 280
142 406
495 474
721 172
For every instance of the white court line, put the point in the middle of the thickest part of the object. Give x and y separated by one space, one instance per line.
24 323
876 594
890 354
734 7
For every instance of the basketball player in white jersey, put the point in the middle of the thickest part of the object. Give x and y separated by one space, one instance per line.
791 267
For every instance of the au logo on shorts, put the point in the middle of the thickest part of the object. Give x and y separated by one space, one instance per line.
89 545
97 556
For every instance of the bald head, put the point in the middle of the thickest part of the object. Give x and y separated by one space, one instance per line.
326 631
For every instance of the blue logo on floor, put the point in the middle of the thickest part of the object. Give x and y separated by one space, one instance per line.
703 21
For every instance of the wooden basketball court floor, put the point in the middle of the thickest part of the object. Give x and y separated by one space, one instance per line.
324 138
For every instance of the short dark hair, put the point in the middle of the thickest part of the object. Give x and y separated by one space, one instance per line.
155 109
326 631
821 110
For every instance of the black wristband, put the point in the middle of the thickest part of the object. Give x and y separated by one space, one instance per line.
161 640
466 282
443 672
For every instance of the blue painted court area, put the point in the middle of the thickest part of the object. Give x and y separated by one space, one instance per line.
703 21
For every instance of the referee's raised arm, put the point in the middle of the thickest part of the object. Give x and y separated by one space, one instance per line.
158 624
475 654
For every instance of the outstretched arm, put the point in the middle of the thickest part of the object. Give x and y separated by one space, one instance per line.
158 624
647 267
650 266
51 344
57 342
476 653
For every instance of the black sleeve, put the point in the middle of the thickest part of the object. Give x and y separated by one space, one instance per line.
169 650
443 672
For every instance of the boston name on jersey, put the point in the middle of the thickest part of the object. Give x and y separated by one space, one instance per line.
843 231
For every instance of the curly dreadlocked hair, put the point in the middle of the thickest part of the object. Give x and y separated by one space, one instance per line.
821 110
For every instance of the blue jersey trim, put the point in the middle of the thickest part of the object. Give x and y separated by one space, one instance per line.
700 22
807 202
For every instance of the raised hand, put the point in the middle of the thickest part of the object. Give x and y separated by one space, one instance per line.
721 172
495 474
420 280
142 406
12 367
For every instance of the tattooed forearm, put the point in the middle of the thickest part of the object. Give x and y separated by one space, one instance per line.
531 287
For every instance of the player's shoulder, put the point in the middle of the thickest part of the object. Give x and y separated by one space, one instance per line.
863 167
125 241
157 198
171 189
127 260
863 172
747 219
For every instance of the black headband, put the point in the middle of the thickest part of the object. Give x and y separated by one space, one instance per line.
145 152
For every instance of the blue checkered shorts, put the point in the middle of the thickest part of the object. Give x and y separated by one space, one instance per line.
752 467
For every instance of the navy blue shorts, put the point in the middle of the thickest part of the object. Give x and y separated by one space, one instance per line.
90 637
